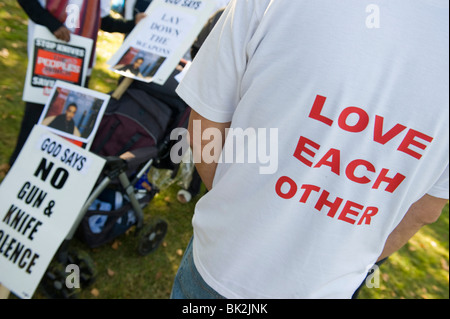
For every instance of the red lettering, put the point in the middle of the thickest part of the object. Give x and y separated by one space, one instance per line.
323 201
410 140
413 138
292 187
359 126
317 109
301 147
308 189
335 155
378 132
347 210
393 183
349 213
367 215
353 165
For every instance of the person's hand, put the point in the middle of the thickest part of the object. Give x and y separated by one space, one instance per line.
62 34
139 17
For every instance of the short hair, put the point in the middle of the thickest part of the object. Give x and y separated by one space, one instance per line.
72 104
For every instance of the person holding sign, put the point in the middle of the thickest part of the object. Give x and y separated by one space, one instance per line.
358 114
64 122
62 18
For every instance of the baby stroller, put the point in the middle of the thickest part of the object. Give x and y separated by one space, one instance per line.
137 122
172 112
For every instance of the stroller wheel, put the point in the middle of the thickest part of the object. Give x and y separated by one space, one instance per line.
151 236
86 265
57 281
53 284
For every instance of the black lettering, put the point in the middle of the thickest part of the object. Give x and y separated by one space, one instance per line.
65 155
16 253
43 169
7 217
26 253
59 178
81 164
17 219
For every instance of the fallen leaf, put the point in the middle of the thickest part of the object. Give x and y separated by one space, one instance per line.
95 292
115 245
180 252
4 53
110 272
444 264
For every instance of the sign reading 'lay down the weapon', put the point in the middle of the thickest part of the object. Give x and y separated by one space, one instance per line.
155 46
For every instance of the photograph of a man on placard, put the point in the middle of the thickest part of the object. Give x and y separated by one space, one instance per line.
64 122
74 112
139 64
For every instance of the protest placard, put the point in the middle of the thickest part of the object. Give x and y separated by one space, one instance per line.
74 112
156 45
40 199
52 59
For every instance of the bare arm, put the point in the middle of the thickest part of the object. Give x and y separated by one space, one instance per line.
423 212
206 168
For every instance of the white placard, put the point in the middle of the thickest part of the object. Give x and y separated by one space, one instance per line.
156 45
74 112
40 199
52 59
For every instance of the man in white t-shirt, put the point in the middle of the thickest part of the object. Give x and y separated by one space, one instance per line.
337 147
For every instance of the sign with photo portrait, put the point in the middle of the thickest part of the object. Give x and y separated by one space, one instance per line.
158 42
74 112
53 60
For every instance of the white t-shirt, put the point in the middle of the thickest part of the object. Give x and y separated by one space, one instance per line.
356 95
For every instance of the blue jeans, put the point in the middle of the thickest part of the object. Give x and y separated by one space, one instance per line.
188 283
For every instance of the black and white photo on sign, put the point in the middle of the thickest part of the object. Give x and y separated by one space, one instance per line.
139 63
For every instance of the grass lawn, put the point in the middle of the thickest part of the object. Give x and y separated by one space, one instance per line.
418 271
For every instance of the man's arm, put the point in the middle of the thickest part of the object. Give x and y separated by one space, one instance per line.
110 24
41 16
206 170
423 212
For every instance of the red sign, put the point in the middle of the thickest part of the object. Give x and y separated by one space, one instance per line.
58 66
